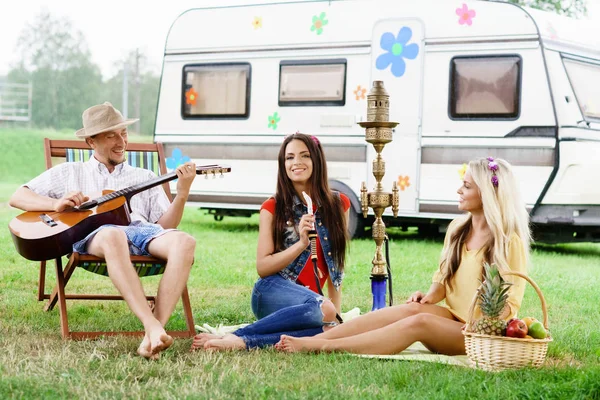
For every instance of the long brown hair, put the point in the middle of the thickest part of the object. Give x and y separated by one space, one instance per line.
330 205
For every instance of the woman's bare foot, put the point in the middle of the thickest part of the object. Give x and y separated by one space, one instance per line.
227 342
292 344
278 346
202 338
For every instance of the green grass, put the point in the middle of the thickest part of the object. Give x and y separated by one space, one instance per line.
36 363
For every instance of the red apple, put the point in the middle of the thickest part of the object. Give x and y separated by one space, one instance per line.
516 328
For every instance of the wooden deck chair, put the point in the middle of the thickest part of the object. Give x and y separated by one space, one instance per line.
143 155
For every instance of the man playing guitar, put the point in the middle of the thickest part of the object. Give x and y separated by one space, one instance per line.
151 232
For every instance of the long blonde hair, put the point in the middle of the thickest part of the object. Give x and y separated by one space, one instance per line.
504 212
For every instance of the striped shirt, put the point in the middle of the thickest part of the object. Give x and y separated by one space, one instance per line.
91 177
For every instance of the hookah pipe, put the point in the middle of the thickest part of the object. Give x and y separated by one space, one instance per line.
312 237
389 268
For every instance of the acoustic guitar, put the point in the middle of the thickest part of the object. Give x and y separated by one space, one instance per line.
40 235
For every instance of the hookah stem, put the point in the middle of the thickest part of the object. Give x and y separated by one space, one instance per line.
312 237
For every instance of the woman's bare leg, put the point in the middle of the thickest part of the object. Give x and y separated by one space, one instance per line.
438 334
382 317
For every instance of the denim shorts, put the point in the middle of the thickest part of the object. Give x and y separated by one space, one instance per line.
139 235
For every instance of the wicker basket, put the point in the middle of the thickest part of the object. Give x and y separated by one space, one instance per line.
497 353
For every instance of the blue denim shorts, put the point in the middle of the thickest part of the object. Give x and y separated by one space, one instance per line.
139 235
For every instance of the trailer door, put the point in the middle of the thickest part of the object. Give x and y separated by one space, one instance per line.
397 60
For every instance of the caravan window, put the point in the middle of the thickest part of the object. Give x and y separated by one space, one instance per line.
216 91
312 83
485 87
585 79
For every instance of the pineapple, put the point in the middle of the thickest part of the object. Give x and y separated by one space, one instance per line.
492 299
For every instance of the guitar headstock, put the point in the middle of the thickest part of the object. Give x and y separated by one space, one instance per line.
212 169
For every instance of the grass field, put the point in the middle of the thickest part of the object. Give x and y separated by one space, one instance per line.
36 363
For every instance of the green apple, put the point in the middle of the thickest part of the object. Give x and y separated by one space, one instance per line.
537 331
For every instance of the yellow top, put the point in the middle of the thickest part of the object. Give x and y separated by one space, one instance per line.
468 275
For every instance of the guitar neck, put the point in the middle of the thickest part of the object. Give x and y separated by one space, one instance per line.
133 190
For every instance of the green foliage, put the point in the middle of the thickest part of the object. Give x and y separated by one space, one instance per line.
56 60
149 84
570 8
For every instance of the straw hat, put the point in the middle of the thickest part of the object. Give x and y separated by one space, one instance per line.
102 118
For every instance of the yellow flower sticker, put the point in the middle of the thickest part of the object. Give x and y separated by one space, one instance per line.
462 171
257 22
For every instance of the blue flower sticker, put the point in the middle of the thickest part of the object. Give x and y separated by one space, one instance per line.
397 50
177 158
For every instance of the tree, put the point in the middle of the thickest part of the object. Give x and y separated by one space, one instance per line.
56 59
142 90
570 8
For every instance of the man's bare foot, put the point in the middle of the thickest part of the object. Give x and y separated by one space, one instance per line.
144 350
227 342
160 343
202 338
292 344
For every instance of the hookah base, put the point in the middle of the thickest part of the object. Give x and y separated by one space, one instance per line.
378 289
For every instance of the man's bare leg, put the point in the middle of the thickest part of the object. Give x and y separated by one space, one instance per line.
438 334
178 249
111 244
380 318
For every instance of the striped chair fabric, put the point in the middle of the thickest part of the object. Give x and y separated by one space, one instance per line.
140 159
142 268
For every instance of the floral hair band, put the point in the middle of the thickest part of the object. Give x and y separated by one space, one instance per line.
493 166
314 138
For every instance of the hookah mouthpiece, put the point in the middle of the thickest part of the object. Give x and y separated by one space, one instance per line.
312 234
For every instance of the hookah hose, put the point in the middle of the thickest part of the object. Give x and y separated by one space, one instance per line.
389 268
312 236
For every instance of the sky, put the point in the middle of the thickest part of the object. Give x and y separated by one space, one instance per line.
111 27
114 27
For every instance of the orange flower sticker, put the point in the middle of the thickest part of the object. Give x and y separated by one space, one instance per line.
257 22
360 92
191 96
403 182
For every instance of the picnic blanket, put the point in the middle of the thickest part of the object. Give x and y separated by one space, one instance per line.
418 352
415 352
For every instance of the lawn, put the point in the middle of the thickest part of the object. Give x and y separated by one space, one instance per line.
36 363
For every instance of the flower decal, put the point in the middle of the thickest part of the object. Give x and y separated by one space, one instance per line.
397 50
177 158
462 171
273 120
552 31
191 96
257 22
360 92
318 22
466 15
403 182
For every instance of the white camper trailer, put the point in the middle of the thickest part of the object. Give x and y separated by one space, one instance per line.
466 79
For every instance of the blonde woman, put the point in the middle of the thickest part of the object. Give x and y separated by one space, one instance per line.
495 229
